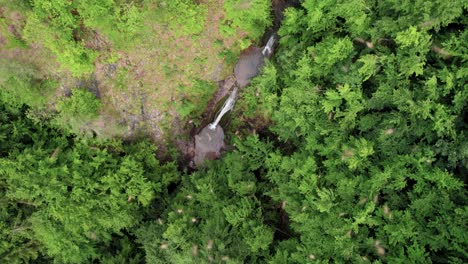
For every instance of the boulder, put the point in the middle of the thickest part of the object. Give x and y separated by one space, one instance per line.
250 62
208 144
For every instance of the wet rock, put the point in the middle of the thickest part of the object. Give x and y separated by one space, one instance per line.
250 63
208 145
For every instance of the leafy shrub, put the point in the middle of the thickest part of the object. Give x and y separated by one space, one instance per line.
183 17
25 84
196 97
71 55
77 110
82 103
64 26
252 17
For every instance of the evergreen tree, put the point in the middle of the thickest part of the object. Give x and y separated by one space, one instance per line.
371 107
217 214
72 196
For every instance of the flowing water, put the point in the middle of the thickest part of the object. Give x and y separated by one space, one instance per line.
250 62
227 106
209 142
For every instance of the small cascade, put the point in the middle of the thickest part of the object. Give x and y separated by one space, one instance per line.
227 106
268 49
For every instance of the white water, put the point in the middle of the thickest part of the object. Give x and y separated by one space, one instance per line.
227 106
268 49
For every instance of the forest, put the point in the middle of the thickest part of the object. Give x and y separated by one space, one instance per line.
349 146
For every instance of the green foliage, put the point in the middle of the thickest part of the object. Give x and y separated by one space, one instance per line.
186 108
64 27
121 22
75 111
16 245
252 17
183 17
366 104
81 103
71 197
366 160
216 215
25 84
258 98
71 55
195 97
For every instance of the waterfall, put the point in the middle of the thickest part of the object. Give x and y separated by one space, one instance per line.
227 106
268 49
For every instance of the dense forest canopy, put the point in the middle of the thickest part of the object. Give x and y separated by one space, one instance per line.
351 146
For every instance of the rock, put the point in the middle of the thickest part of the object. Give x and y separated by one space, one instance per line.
208 144
250 62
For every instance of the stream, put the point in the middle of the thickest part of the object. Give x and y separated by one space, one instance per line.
209 138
